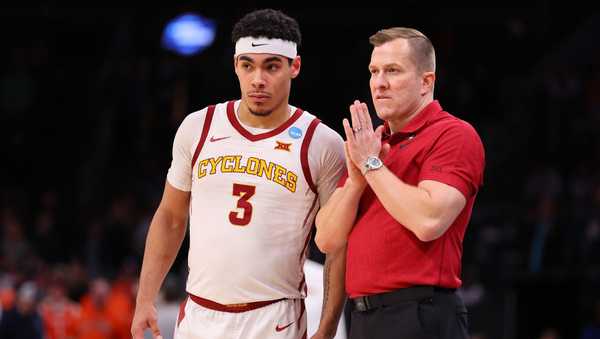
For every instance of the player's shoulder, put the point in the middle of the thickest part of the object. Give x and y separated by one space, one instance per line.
201 113
325 133
322 130
198 117
195 116
325 139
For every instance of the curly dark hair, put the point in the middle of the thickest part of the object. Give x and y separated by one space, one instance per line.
267 23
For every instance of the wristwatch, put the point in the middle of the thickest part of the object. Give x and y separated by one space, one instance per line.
371 164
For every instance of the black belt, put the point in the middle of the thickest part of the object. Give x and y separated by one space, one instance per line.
370 302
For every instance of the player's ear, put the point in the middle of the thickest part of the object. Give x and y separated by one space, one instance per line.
235 61
295 66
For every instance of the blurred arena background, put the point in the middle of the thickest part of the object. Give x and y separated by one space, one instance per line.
90 101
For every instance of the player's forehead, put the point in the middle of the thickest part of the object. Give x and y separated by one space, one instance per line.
259 58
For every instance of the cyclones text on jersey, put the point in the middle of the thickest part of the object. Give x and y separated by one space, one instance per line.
252 165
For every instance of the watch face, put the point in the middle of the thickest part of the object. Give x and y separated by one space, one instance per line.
374 162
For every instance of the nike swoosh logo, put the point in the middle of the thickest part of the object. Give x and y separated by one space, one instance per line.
256 45
213 139
279 329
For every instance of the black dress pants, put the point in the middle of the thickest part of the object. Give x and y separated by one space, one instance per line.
438 314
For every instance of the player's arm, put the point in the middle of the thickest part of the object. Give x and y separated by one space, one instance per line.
165 235
339 205
168 225
335 220
330 152
334 294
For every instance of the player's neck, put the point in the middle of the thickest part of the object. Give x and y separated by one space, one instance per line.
277 117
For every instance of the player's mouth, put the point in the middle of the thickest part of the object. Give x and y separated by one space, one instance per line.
382 97
259 97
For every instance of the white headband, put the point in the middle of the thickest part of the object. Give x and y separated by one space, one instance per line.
264 45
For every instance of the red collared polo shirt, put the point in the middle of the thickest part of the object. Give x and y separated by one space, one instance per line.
383 255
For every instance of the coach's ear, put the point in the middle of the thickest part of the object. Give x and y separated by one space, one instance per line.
295 67
427 82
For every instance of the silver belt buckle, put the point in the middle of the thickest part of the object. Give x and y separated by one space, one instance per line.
362 304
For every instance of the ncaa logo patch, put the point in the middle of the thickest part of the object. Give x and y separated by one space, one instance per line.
295 132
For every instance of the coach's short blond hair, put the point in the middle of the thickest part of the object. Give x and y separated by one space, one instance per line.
422 51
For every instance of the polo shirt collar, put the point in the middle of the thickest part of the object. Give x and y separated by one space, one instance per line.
427 114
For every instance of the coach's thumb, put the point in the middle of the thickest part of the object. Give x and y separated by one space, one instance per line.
385 149
155 330
379 131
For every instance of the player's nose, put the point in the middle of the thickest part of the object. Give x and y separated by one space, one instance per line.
258 79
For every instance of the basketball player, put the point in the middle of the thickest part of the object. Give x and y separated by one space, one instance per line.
251 174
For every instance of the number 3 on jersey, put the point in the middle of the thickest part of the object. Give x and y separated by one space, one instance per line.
245 192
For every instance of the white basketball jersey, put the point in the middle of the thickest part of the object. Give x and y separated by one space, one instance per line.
253 201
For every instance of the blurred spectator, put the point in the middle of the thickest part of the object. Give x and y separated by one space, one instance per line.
23 321
61 316
96 322
545 233
121 300
7 292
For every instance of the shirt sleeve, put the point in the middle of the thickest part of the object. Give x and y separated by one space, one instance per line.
184 145
457 158
326 161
